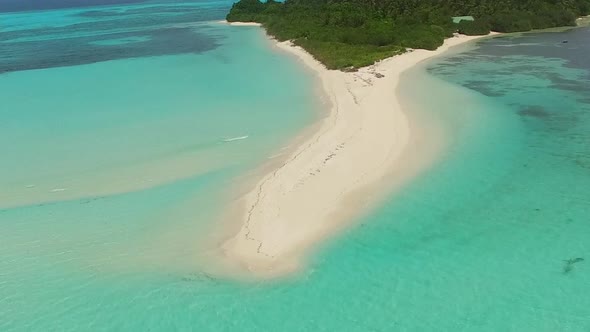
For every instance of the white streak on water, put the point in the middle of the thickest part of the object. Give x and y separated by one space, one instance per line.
235 138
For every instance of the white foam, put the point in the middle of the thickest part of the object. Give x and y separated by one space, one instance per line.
521 44
57 190
235 138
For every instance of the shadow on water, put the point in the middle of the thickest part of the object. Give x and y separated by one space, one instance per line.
534 111
568 265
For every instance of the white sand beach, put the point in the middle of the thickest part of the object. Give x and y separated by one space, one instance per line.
337 172
241 24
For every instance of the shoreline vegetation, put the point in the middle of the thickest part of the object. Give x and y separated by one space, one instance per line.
351 34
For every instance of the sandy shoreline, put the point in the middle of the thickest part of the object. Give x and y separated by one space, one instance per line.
336 172
241 24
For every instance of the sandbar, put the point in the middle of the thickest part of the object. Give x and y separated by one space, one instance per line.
333 174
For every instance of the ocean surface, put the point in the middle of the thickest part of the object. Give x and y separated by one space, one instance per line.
121 128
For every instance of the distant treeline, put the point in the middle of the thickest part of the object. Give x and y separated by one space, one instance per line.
356 33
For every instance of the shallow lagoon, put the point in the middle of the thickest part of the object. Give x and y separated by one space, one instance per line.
486 240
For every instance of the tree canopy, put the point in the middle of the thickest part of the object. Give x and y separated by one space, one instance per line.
356 33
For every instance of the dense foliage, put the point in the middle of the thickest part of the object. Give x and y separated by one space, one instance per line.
474 28
356 33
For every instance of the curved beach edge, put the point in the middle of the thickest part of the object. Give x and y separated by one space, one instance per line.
336 173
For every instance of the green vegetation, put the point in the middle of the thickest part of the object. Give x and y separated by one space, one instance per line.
355 33
357 56
474 28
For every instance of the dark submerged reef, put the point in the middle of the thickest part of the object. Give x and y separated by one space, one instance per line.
356 33
112 34
26 5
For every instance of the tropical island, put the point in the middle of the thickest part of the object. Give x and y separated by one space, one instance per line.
369 143
348 34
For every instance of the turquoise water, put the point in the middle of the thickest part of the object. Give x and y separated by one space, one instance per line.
130 108
488 239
